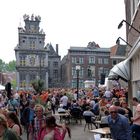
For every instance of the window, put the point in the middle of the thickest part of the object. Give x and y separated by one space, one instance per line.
134 5
91 71
32 77
43 61
74 60
91 60
81 72
81 84
32 44
55 64
114 62
73 84
81 60
73 72
22 77
106 71
22 60
100 71
100 61
49 64
106 61
55 73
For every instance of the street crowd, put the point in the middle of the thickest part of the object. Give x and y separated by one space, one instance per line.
34 113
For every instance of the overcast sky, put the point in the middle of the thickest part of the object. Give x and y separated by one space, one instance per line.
65 22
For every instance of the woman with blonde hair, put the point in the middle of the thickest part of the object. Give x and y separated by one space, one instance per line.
5 133
38 122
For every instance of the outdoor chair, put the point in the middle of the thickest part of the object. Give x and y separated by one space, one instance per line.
89 122
76 115
64 118
102 125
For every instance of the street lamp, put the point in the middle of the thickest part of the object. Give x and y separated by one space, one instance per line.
118 40
121 24
77 72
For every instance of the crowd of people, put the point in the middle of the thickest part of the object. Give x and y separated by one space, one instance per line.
32 113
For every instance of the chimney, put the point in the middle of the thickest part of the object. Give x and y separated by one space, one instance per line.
57 48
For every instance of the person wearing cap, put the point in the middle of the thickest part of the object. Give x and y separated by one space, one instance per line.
119 125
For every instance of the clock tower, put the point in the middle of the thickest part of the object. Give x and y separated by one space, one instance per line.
31 54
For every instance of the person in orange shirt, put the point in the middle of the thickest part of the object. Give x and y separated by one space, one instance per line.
44 96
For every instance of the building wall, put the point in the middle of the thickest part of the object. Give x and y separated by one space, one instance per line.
54 71
133 9
54 67
89 70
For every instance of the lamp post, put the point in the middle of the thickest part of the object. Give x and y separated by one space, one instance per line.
121 24
118 40
77 73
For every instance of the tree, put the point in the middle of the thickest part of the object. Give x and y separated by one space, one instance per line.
11 66
14 84
38 86
2 66
7 67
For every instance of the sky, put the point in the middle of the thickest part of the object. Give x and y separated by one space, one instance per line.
65 22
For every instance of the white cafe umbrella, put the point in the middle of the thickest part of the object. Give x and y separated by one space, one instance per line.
2 87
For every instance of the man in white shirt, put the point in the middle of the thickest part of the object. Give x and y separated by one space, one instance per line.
108 94
64 100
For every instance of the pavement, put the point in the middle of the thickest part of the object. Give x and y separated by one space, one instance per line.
77 132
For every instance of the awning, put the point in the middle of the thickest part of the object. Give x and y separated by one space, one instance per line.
120 70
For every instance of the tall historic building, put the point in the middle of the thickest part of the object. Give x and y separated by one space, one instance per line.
31 54
54 60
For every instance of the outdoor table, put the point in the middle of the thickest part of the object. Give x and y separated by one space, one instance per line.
103 131
97 123
62 114
66 116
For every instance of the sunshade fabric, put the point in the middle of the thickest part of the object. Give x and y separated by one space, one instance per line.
121 69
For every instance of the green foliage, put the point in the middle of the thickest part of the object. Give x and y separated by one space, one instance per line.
14 84
11 66
7 67
2 66
38 86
